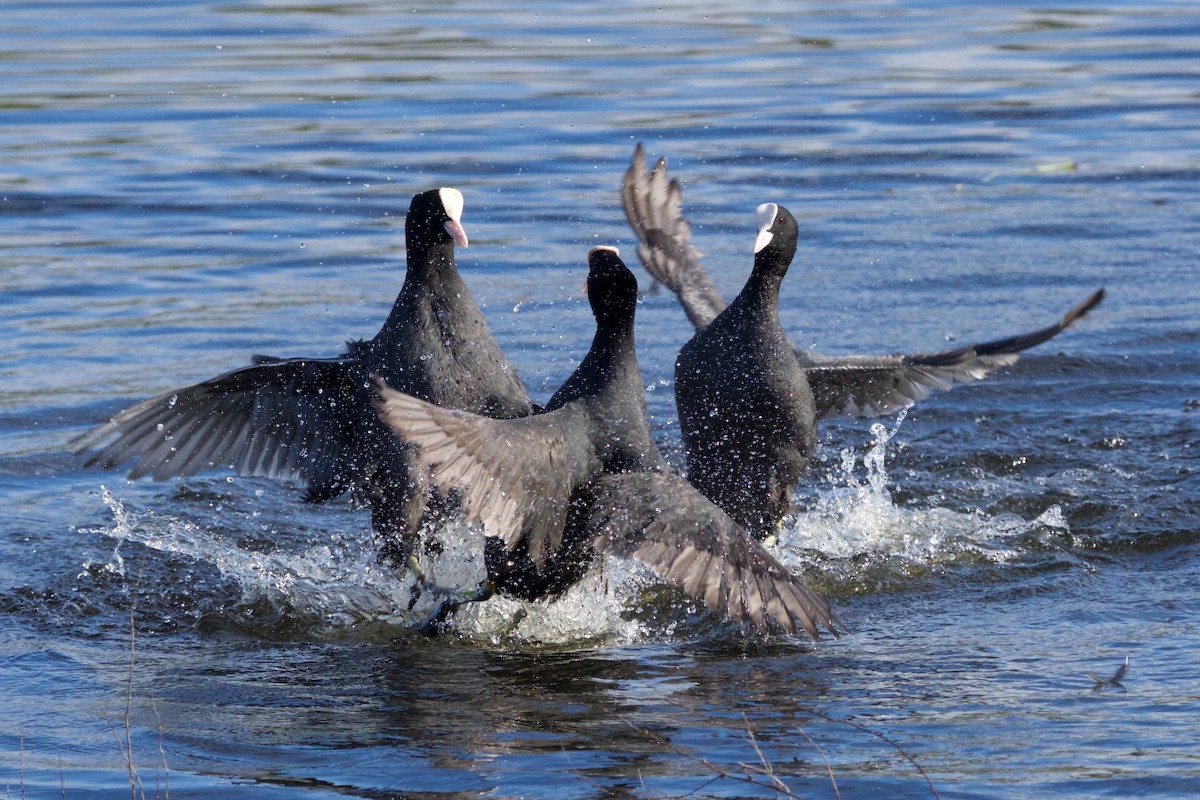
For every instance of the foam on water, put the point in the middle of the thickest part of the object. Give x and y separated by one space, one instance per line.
595 609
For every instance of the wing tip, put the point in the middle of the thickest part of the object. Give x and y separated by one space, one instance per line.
1081 310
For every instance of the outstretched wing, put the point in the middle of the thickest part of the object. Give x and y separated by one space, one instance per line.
872 386
857 386
515 476
660 520
277 418
653 206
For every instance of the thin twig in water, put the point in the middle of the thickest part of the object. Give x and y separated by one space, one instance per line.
135 780
580 772
879 735
706 784
828 767
766 769
117 736
163 753
125 745
751 772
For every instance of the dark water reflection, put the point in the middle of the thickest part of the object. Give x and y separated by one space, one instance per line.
483 719
185 183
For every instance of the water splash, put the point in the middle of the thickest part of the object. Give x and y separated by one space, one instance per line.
596 609
341 582
338 579
858 539
116 563
852 538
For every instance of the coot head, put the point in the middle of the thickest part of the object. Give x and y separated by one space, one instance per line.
611 287
436 216
775 245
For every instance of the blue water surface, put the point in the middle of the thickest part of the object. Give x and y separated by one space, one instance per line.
183 184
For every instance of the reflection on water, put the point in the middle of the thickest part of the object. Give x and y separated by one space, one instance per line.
184 184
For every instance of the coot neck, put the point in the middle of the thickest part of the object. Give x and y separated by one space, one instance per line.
613 344
431 280
431 262
610 365
760 295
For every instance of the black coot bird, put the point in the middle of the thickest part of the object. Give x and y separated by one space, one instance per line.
314 419
586 477
746 411
750 484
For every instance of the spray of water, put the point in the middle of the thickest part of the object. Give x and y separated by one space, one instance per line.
862 541
342 582
853 538
339 579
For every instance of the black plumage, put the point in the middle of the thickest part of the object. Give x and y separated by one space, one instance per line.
586 477
860 386
312 419
746 411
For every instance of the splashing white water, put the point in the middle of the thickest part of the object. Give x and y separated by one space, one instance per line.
341 581
590 610
856 519
852 537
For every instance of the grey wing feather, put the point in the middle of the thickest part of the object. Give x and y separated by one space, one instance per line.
875 386
660 520
859 386
513 476
281 418
872 386
653 206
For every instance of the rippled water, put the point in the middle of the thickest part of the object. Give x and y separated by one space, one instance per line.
184 184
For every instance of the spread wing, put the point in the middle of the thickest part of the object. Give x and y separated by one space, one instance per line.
872 386
858 386
515 476
660 520
276 418
653 206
